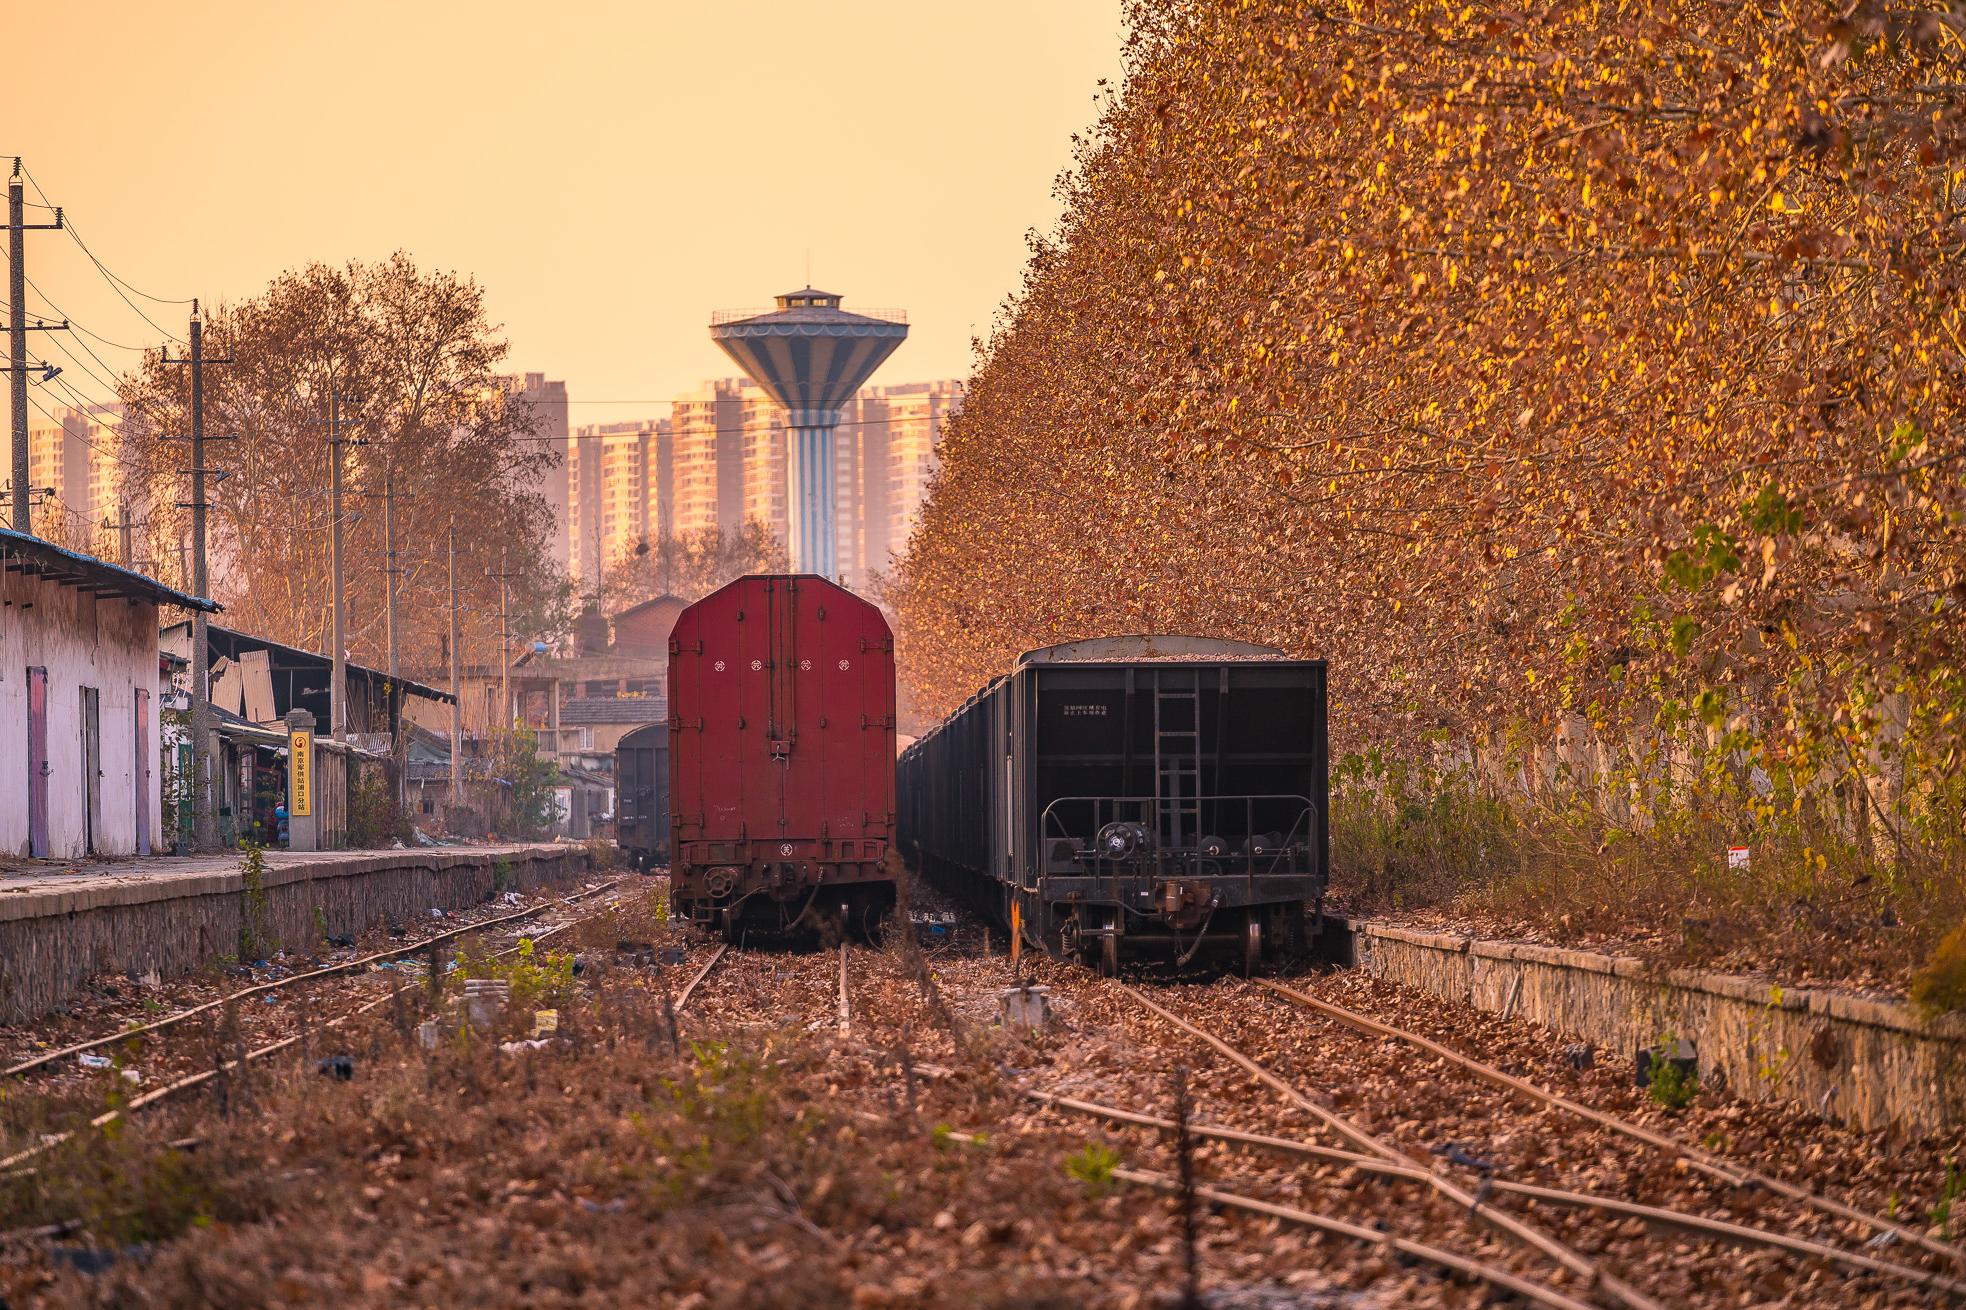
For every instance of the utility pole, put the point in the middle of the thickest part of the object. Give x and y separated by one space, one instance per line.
338 692
123 526
457 705
398 752
504 647
204 826
17 329
389 569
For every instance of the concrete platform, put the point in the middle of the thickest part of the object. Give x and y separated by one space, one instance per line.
1868 1061
172 914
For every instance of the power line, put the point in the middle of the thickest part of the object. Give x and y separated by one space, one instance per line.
79 363
55 309
116 284
162 300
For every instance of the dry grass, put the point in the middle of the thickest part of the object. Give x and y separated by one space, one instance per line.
740 1167
1813 903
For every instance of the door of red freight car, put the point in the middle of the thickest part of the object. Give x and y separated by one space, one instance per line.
781 693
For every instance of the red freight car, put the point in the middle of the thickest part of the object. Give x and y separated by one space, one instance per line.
781 793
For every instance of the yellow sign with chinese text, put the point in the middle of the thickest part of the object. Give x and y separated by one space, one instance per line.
300 774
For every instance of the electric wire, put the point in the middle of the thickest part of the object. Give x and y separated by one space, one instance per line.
116 284
53 308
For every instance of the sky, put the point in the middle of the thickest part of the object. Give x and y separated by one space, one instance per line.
611 171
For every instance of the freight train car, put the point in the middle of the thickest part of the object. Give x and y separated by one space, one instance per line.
781 761
1132 795
641 781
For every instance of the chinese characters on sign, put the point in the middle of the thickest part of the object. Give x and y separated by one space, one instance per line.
300 768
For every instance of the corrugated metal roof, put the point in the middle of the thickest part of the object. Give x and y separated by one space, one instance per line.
26 553
221 637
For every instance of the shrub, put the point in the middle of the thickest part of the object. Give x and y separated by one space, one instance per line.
537 980
256 939
1940 983
1671 1085
374 817
1093 1165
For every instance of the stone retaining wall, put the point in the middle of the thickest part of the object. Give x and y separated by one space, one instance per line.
1871 1063
53 940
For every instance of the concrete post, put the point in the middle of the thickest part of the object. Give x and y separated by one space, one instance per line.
303 827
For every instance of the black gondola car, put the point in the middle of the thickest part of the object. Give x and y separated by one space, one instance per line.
1132 795
641 780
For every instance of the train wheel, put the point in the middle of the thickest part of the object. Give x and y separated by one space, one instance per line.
1294 948
1252 945
1109 946
728 919
873 922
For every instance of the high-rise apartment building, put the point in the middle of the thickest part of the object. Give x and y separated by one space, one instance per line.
582 510
720 460
708 481
860 480
762 455
72 464
548 402
917 413
623 488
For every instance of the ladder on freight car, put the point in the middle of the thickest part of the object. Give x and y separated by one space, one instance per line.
1177 758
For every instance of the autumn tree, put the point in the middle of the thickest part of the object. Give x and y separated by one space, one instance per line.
1584 384
410 361
691 564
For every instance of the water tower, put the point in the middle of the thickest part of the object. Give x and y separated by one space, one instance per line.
810 356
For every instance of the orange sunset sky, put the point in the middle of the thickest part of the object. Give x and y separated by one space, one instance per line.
610 170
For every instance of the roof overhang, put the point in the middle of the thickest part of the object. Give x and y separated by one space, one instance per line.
26 554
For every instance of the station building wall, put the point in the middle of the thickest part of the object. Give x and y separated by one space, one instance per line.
82 640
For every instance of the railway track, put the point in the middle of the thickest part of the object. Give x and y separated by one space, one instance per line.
1562 1238
1704 1161
843 1010
1365 1153
189 1082
49 1058
1592 1272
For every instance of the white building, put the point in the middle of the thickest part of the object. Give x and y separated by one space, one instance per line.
78 702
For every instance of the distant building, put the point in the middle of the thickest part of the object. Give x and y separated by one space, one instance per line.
260 679
865 497
548 402
77 477
762 457
709 468
917 414
577 707
623 489
582 510
642 631
721 459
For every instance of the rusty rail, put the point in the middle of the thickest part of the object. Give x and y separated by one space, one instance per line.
1724 1170
147 1099
1476 1269
1560 1252
346 966
1685 1221
689 988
